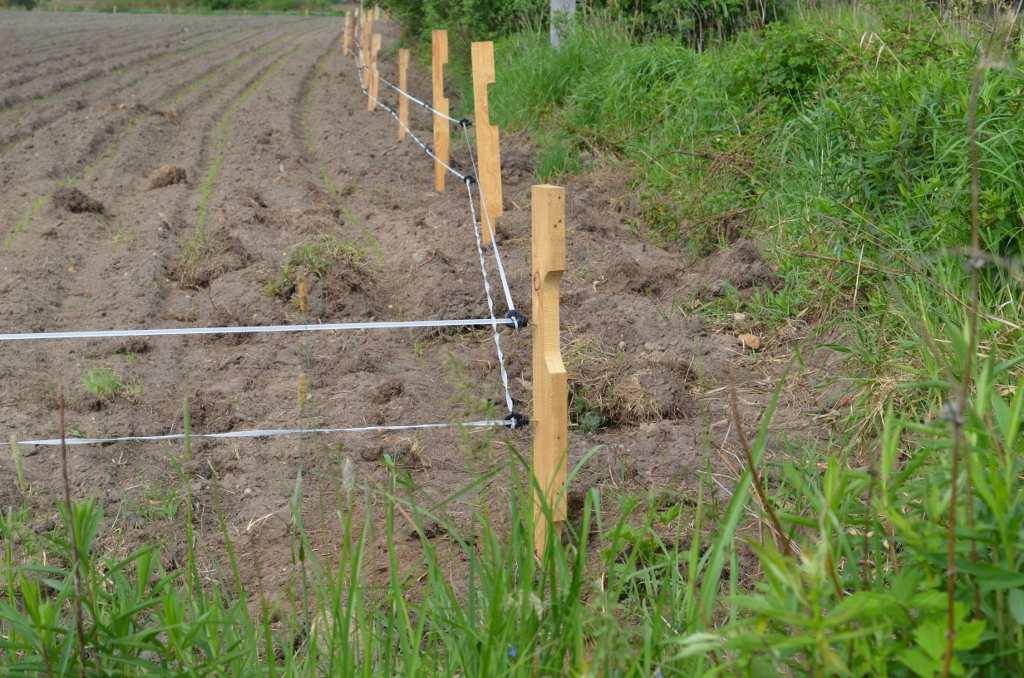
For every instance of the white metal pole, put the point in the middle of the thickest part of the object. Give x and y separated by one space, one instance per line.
562 12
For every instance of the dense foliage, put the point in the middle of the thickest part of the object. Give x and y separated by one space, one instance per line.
695 22
24 4
469 19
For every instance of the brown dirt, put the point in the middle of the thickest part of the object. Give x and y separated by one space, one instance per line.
302 162
167 175
76 202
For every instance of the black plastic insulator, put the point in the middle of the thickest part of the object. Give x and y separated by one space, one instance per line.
465 122
519 321
517 421
470 179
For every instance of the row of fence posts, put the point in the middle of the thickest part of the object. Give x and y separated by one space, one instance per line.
550 417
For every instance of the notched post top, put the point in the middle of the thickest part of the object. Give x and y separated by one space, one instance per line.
550 381
488 139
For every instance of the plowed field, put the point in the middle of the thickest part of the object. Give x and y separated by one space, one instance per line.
289 182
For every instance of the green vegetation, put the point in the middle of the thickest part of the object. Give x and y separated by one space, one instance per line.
659 591
838 137
315 259
103 383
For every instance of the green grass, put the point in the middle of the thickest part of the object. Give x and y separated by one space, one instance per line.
102 383
313 259
837 139
639 584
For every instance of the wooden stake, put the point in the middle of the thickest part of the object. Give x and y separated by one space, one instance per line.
550 420
374 85
346 36
403 83
365 28
376 12
488 146
442 133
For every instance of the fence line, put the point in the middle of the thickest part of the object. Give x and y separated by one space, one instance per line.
490 227
490 301
518 320
467 179
419 142
513 317
550 458
463 122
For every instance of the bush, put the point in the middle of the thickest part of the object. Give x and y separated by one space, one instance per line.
24 4
697 23
469 19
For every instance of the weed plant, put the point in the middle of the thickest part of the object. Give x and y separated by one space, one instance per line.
102 383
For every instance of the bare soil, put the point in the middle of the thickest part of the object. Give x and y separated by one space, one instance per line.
265 119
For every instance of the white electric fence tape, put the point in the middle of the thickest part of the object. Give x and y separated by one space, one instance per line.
256 329
420 102
260 433
490 301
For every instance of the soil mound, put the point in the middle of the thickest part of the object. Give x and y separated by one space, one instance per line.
73 200
167 175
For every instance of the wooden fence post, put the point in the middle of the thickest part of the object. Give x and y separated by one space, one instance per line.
488 146
374 86
550 421
346 36
442 133
365 28
403 83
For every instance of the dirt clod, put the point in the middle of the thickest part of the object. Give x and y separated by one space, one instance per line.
751 341
73 200
167 175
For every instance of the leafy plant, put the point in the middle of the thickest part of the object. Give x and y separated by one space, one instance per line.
313 258
102 383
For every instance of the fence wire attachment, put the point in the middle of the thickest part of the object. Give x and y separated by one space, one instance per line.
517 420
519 321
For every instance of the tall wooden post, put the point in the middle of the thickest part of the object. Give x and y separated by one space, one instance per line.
403 83
550 421
442 132
346 36
487 139
374 85
365 29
